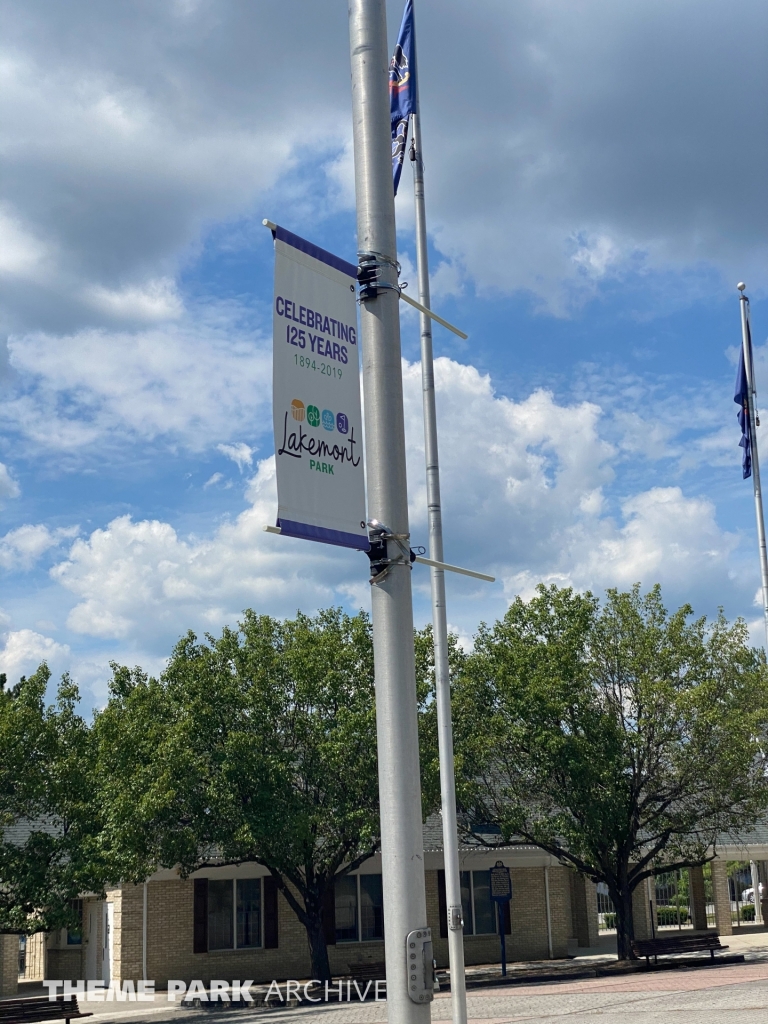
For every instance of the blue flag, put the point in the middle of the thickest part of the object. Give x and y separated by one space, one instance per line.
742 400
402 90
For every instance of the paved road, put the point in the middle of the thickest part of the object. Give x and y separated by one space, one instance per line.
734 994
737 994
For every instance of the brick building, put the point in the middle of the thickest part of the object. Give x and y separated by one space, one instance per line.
231 922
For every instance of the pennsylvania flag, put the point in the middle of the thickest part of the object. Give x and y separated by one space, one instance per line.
742 400
402 90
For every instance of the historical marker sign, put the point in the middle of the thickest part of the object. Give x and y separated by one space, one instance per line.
316 395
501 892
501 883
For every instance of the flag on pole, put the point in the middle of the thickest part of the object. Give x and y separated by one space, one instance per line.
402 90
742 400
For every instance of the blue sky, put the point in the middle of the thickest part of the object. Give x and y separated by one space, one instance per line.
595 185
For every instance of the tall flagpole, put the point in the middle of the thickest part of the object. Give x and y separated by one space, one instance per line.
408 948
439 620
751 393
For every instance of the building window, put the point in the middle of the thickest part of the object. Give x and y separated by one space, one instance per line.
465 878
371 907
346 909
359 908
234 901
248 912
480 915
75 933
485 912
220 899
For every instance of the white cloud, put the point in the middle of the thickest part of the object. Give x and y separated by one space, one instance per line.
23 651
143 582
22 547
9 488
124 145
588 141
21 253
666 537
607 124
523 497
213 480
153 300
193 382
241 454
512 471
597 255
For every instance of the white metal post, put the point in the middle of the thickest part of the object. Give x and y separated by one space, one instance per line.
439 614
402 849
751 392
756 892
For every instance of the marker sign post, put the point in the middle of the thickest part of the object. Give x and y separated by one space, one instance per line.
501 893
316 396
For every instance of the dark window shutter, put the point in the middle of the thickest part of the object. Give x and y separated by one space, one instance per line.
329 915
200 912
442 904
507 917
270 913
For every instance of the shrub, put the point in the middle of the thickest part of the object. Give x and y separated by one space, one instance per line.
668 915
747 912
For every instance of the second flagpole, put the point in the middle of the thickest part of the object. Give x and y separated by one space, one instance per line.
439 619
747 350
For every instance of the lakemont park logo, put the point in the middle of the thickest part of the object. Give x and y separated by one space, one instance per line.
314 417
297 441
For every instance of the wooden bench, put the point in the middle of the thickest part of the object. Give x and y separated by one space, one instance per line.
34 1008
373 971
669 945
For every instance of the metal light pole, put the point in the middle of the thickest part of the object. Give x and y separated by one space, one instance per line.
439 621
751 392
402 851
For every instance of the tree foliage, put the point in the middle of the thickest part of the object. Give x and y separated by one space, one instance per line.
622 739
257 746
48 815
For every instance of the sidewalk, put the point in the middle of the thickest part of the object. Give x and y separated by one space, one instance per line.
731 994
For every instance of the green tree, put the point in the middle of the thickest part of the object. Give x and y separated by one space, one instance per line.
621 739
49 818
257 746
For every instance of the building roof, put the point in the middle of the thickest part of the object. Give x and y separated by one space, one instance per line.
18 833
753 840
483 837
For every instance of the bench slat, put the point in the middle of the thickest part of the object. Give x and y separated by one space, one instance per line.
41 1015
669 944
40 1008
371 971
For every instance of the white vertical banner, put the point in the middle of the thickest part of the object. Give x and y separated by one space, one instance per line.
316 395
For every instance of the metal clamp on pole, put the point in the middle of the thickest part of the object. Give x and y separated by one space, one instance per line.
455 919
369 266
378 552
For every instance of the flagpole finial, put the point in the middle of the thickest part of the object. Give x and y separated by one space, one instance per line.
741 286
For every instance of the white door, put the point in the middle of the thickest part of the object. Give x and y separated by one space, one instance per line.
91 950
108 943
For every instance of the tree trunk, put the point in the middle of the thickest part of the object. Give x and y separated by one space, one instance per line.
318 949
625 923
